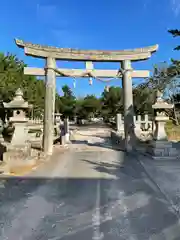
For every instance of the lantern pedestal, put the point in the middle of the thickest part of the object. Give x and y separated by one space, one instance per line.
20 135
160 148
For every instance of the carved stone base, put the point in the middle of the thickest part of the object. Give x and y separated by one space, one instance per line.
20 157
17 153
162 150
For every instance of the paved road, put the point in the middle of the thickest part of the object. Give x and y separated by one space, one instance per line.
89 192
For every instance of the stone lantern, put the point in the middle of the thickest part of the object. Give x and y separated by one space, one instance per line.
160 117
18 120
57 121
58 118
160 147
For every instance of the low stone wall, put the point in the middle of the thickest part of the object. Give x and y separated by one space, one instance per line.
141 122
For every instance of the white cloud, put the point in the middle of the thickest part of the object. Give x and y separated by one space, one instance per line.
175 6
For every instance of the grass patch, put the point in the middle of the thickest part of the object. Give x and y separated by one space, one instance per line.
173 131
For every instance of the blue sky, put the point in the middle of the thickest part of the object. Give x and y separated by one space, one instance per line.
95 24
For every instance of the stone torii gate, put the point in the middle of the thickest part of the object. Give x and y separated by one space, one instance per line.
51 54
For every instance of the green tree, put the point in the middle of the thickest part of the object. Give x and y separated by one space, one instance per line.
12 77
165 78
112 102
67 103
79 111
91 106
175 33
143 98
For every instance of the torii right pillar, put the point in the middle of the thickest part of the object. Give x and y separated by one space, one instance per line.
128 105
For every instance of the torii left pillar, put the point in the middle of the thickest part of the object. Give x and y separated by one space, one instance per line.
49 107
128 105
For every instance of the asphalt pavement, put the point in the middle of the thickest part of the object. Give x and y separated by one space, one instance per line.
90 192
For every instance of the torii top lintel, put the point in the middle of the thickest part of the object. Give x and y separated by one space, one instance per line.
41 51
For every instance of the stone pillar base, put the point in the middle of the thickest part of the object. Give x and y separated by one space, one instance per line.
162 150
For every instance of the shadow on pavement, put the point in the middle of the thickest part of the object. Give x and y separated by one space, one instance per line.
127 165
105 142
69 208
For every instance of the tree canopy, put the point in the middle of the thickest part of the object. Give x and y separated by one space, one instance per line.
12 78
